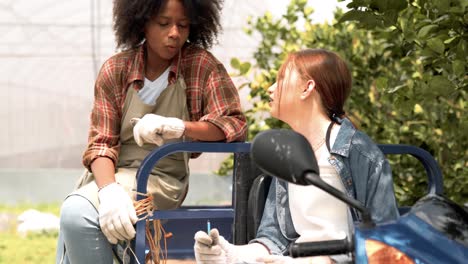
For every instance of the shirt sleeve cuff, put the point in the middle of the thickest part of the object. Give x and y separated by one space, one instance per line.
269 245
90 157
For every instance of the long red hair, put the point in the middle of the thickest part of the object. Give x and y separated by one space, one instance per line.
331 75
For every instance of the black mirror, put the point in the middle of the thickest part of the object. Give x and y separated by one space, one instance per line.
285 154
288 155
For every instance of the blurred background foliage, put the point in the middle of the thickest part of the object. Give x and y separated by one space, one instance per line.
408 61
34 247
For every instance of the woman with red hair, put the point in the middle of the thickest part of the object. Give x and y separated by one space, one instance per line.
310 93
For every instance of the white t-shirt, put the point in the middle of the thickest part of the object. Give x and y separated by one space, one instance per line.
152 89
316 215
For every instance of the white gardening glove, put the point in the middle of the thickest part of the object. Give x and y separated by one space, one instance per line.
278 259
207 248
116 213
214 248
154 129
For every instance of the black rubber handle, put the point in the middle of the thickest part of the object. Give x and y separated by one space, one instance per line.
320 248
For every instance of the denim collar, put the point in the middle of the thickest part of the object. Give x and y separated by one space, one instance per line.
343 140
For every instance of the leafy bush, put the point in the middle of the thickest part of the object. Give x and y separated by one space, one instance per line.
410 82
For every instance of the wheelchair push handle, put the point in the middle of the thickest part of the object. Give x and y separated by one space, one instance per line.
320 248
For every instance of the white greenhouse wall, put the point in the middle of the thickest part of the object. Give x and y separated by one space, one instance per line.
49 53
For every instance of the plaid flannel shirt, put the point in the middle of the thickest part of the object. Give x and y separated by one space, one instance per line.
211 97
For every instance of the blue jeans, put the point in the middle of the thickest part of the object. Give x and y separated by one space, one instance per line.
81 239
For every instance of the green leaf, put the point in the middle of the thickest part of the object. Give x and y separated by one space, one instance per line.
358 3
403 24
367 19
458 67
424 31
308 11
380 5
390 18
440 84
371 20
244 68
462 49
235 63
381 83
397 4
385 5
450 40
441 6
436 45
351 15
464 3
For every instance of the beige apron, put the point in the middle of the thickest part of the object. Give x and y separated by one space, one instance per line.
168 181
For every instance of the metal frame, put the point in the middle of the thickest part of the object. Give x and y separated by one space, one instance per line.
142 178
434 174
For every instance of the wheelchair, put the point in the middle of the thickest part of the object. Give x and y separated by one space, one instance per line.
238 222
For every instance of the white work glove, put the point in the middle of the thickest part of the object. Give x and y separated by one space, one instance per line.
116 213
154 129
208 249
278 259
214 249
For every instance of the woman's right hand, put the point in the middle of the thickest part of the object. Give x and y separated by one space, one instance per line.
210 248
214 249
116 213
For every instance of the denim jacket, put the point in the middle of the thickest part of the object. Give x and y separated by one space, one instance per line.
365 173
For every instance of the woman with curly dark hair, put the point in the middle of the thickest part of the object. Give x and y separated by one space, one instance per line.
163 87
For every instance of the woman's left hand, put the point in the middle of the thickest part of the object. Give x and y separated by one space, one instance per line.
154 129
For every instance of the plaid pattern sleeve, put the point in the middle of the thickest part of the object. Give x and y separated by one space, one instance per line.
114 78
103 136
211 94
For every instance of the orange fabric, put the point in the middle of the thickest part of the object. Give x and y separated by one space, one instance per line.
379 253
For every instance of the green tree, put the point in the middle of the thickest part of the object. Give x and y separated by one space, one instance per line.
410 82
431 38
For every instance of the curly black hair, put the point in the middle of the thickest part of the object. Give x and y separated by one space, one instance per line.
131 16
